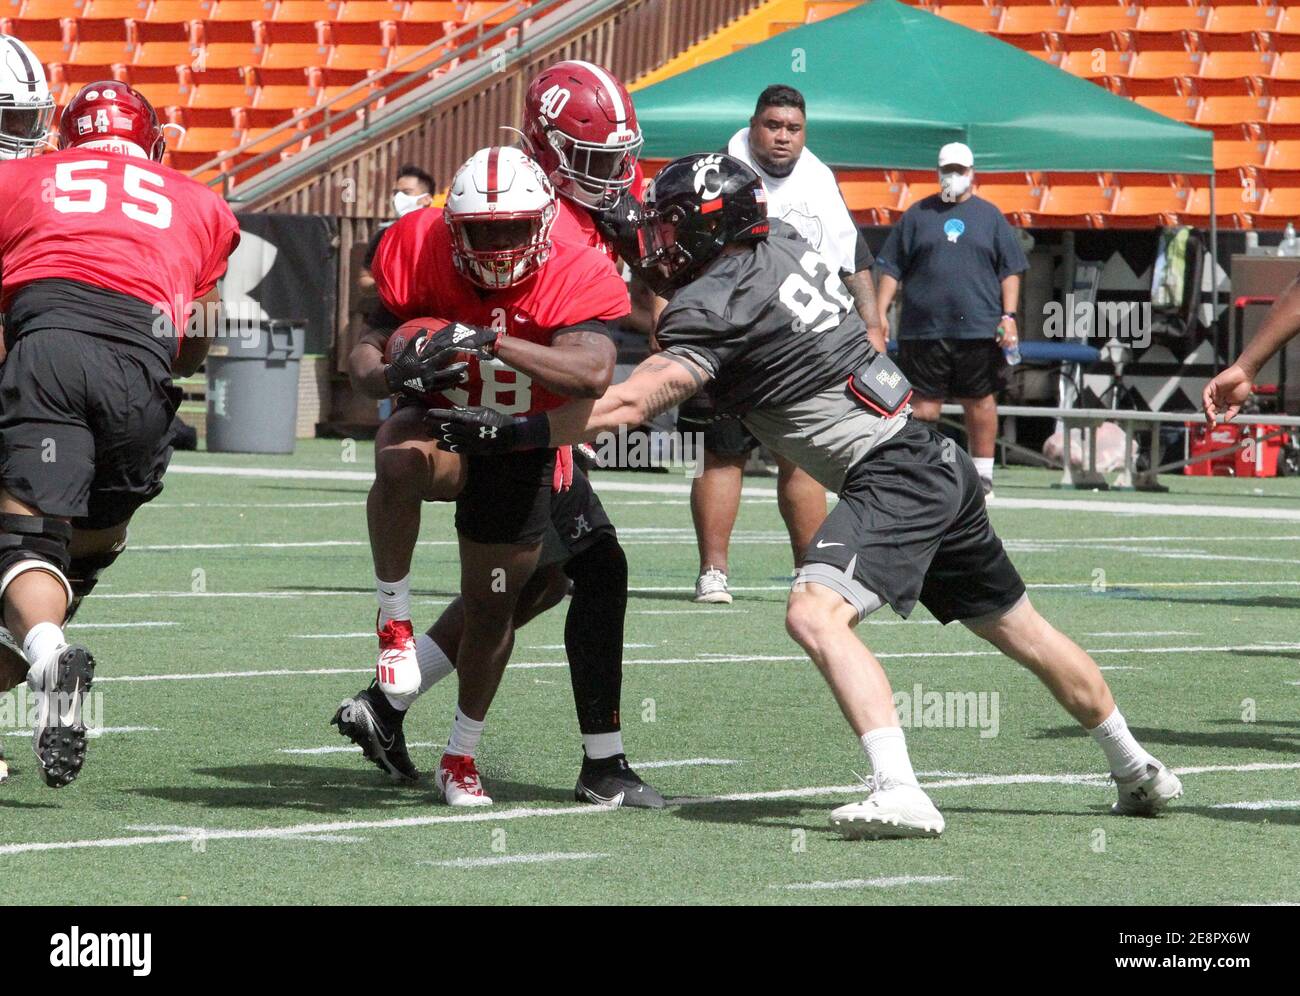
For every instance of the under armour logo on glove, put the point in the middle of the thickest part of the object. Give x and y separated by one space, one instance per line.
487 432
472 430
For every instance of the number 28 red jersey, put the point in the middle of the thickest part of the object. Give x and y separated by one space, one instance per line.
415 278
115 222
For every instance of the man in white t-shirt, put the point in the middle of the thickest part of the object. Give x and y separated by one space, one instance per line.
801 191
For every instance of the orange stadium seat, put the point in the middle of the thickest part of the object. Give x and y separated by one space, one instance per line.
1097 63
294 55
306 10
1280 205
210 96
917 190
1072 205
177 11
370 11
242 10
35 10
162 44
1289 21
1015 199
209 140
491 10
427 11
1038 17
1147 206
117 10
1177 17
228 55
1237 55
1244 17
1107 17
975 17
1232 110
362 33
164 94
1178 108
1240 154
262 142
1234 206
367 57
286 98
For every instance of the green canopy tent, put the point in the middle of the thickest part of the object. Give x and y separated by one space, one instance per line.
889 84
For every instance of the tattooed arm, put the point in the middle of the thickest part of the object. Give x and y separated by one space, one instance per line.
660 382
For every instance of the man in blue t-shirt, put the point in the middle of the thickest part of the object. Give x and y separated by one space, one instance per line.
960 263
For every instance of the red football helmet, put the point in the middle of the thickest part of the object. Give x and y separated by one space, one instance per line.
580 125
113 114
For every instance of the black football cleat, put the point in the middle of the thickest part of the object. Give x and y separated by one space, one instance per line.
59 734
370 722
612 782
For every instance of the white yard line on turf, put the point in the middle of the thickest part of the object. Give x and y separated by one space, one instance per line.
871 883
349 749
718 659
489 814
1118 507
1260 804
96 731
121 625
515 859
690 762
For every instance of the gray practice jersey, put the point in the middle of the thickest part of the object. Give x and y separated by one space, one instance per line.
776 329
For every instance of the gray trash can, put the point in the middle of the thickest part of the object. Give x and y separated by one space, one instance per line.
253 389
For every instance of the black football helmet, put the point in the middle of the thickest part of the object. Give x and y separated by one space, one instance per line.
693 208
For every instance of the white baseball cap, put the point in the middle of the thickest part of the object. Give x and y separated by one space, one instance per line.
956 154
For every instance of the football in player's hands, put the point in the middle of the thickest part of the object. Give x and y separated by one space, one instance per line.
415 367
457 337
472 430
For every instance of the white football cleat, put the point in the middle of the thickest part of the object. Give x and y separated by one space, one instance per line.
398 668
1148 792
891 810
458 780
711 588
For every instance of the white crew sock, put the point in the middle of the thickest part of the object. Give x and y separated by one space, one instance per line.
602 745
465 733
984 467
434 666
41 641
394 598
887 751
1124 754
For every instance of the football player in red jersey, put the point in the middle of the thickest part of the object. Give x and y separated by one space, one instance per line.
528 320
103 254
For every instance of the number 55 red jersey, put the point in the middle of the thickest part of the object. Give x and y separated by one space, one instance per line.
116 222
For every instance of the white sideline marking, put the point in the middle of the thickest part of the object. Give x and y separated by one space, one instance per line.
687 763
349 636
1154 632
124 625
687 612
712 659
339 749
516 859
1110 585
872 883
254 504
1260 804
490 814
96 731
1104 506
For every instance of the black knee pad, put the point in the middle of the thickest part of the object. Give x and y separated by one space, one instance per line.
33 542
84 572
602 564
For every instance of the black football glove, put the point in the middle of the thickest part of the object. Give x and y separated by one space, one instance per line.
477 431
621 225
418 370
458 337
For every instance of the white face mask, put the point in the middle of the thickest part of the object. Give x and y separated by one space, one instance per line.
953 186
404 203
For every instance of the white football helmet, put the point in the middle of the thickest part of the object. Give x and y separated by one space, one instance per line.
26 107
500 210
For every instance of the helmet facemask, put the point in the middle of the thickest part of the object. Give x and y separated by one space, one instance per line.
499 250
594 174
23 129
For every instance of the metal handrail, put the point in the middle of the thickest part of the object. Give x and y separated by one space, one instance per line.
483 33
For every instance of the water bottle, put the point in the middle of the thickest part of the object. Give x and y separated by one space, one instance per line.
1290 244
1011 353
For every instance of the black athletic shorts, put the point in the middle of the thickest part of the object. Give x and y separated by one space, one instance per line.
85 425
725 437
506 498
953 368
911 526
578 520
